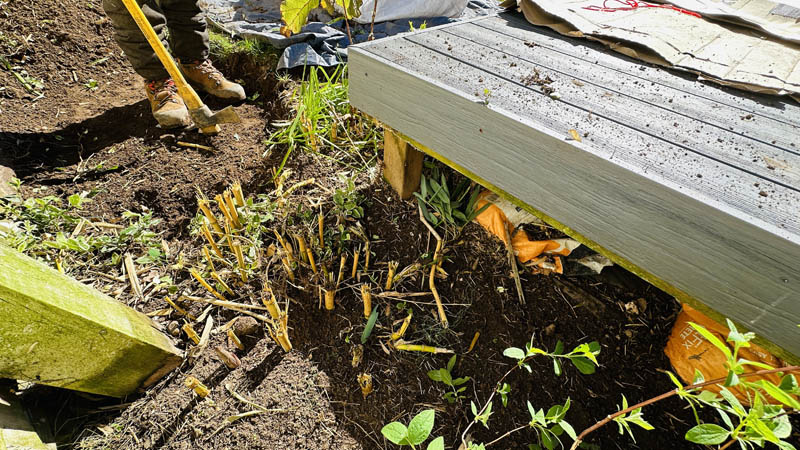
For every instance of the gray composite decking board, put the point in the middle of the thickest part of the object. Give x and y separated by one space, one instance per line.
639 149
617 84
595 53
631 191
688 132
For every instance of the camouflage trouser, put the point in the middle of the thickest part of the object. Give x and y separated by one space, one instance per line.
188 39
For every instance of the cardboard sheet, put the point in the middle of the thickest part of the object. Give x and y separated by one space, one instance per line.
725 53
775 18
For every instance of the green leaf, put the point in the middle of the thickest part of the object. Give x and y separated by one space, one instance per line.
515 353
698 377
788 383
569 430
585 366
435 375
779 395
733 401
451 363
436 444
370 325
557 367
707 434
712 339
420 427
395 432
295 13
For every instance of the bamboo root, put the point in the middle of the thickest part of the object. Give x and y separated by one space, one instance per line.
432 285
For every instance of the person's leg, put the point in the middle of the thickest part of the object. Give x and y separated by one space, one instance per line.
189 40
132 41
167 107
188 35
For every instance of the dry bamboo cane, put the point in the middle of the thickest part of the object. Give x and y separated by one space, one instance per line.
366 296
232 209
366 259
237 193
202 203
203 283
390 275
237 250
207 255
321 226
288 267
400 345
302 247
224 208
342 263
271 303
235 339
199 388
210 239
311 260
224 285
286 247
355 264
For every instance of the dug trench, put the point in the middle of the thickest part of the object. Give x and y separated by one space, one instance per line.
76 139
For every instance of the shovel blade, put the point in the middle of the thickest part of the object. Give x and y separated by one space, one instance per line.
204 118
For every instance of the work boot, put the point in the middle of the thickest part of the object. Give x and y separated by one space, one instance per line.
211 80
168 108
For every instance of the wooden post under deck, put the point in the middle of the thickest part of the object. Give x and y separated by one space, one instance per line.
402 164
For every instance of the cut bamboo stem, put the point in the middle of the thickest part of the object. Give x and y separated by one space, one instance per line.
311 260
366 297
174 306
203 283
237 250
235 339
202 203
302 248
232 210
130 268
286 247
390 275
199 388
321 226
342 263
401 345
224 208
210 239
356 255
330 296
238 194
187 328
366 258
224 285
288 267
402 331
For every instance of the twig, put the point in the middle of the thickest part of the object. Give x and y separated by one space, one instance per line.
372 23
668 394
432 277
198 146
512 259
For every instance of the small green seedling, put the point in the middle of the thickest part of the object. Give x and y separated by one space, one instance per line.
445 376
583 357
633 417
417 432
550 426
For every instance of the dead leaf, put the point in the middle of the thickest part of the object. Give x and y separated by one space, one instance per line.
575 135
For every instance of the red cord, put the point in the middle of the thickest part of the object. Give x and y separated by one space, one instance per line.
630 5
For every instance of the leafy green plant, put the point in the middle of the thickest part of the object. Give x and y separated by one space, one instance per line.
347 201
445 376
92 84
295 12
417 432
442 205
549 426
764 421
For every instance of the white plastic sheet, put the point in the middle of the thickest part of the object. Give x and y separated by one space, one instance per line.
411 9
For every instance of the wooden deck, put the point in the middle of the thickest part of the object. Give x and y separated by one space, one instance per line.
696 188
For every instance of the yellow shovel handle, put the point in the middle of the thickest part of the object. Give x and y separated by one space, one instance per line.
186 92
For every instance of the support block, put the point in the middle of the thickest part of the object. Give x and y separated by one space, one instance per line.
402 164
59 332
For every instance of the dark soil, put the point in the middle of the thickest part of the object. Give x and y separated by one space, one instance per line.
74 139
